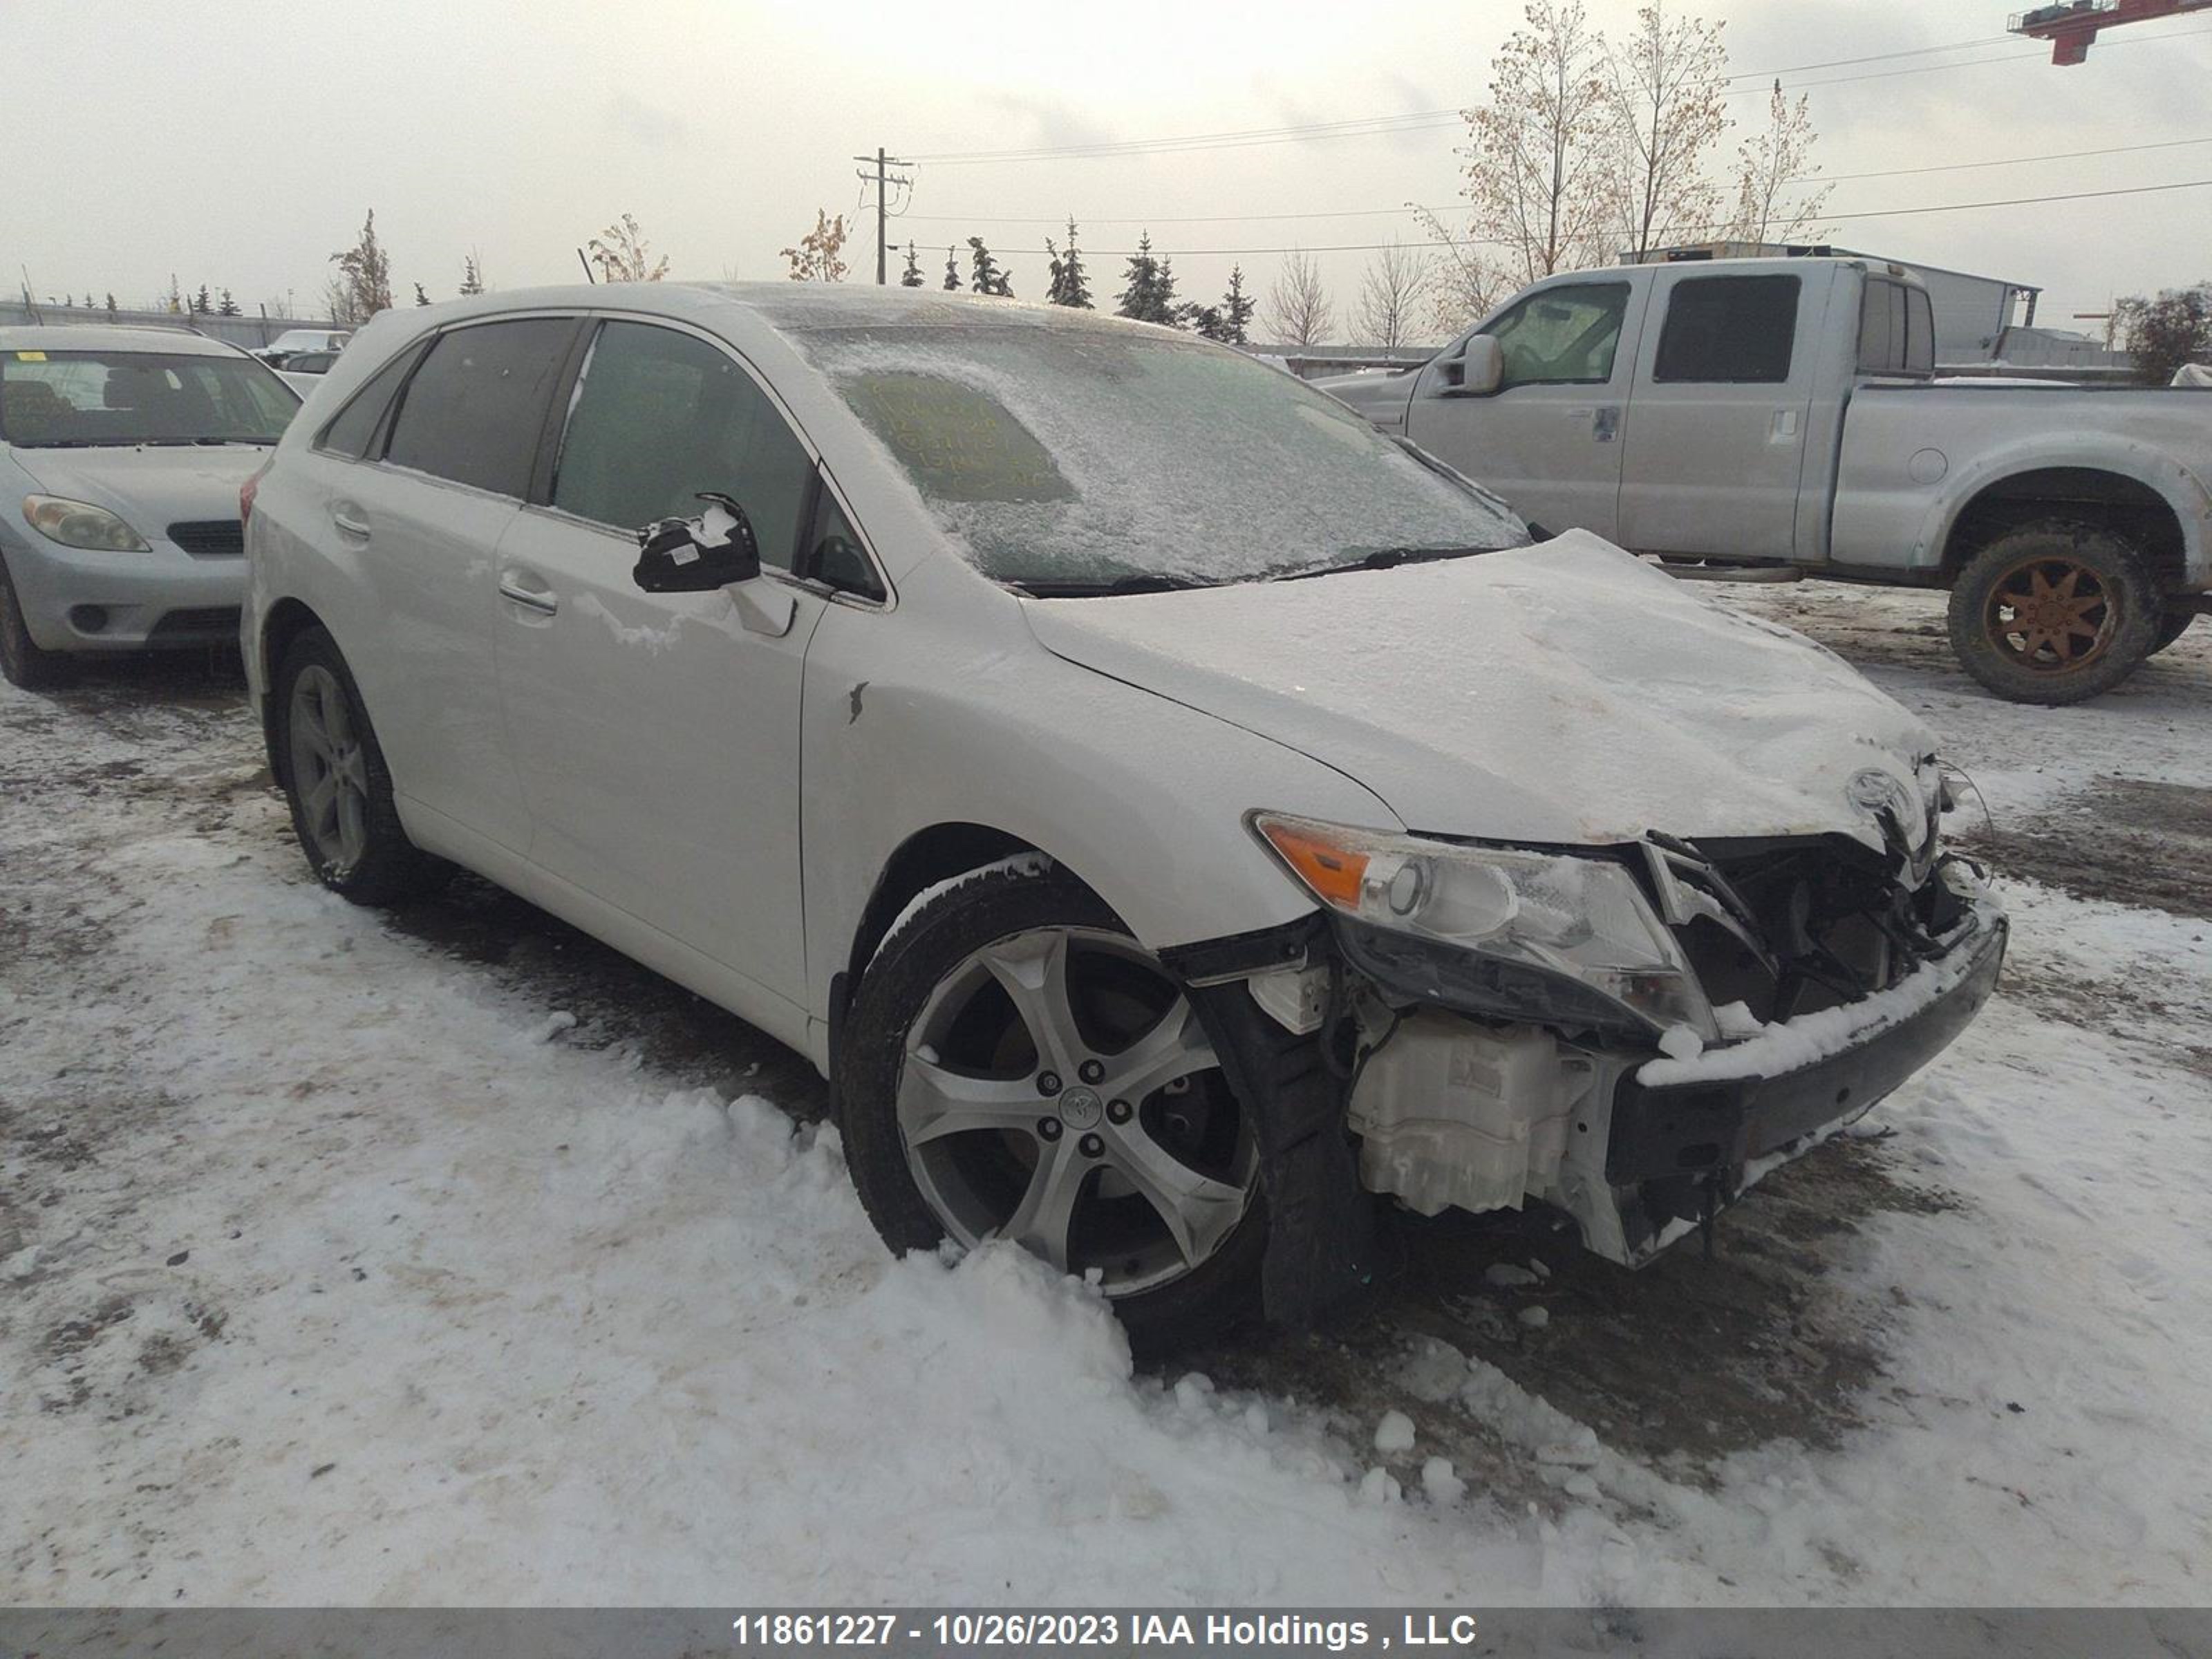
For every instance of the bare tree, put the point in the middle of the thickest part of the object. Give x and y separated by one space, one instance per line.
819 257
1391 290
1665 88
621 254
1299 311
1771 163
1539 153
363 285
1462 286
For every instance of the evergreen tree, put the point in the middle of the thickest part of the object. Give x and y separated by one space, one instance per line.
1149 295
420 298
1172 311
911 277
471 277
111 302
1236 309
1070 284
952 272
984 275
176 298
1206 320
226 306
201 304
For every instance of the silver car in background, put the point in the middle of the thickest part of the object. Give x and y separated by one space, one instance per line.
122 453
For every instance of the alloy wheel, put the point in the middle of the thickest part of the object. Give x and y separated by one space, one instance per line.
1058 1090
330 772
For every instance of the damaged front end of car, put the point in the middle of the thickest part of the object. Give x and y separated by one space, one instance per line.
1629 1034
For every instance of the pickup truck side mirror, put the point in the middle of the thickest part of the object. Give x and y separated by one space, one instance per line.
698 555
1477 371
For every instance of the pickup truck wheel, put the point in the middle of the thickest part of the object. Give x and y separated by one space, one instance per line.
338 785
2172 629
2055 611
25 664
1017 1067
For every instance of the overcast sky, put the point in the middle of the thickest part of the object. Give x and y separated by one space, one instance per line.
236 143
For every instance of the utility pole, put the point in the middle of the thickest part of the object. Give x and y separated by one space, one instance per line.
883 180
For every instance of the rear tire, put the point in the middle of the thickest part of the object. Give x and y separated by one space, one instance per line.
27 665
2175 624
340 790
1160 1198
2055 611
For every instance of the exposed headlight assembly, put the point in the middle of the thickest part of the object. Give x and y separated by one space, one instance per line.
82 525
1539 936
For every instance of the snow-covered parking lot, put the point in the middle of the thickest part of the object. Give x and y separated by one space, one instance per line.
450 1259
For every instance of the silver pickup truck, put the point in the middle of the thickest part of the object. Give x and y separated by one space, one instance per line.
1786 413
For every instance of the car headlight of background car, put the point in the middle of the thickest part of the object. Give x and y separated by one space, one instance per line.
1540 936
82 525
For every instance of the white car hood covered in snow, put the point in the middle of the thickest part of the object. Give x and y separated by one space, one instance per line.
1566 694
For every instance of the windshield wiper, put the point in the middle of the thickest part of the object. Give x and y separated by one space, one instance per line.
194 443
1139 582
1385 558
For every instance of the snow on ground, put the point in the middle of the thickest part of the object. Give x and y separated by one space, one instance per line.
339 1266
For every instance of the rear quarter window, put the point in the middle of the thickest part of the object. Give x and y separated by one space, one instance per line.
352 435
1897 329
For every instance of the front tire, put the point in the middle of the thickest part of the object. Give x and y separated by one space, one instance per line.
338 785
27 664
2055 611
1018 1067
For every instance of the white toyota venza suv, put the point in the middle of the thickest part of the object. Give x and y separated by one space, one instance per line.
1171 813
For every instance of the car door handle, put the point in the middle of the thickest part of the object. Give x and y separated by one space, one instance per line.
349 524
528 592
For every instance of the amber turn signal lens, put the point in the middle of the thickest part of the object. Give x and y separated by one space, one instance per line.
1332 871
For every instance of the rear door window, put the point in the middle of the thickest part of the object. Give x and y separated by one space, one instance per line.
473 411
1739 330
661 416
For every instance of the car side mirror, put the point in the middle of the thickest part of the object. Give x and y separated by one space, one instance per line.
1477 371
698 555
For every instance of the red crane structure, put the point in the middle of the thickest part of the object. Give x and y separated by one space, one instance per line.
2071 25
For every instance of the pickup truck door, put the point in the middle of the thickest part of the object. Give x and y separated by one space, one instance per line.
1714 450
1548 439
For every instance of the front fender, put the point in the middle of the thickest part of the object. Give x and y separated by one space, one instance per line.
1142 799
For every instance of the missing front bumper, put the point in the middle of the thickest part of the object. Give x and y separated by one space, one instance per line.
1464 1112
1677 1149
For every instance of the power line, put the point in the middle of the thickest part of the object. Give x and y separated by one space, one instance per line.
1393 122
1394 212
1693 230
2003 161
1425 120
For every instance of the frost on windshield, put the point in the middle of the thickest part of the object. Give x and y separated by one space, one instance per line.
1087 455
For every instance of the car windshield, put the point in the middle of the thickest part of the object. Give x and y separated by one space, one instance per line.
81 399
1066 458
